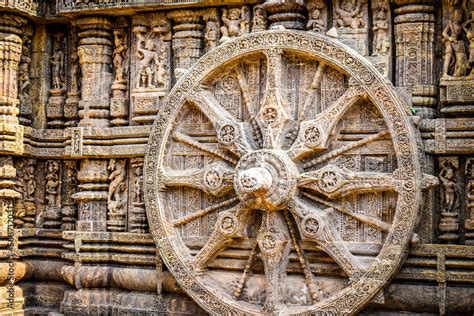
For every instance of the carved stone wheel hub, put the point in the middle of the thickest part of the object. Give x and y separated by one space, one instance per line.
282 177
265 179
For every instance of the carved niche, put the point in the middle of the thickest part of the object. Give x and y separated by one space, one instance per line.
262 159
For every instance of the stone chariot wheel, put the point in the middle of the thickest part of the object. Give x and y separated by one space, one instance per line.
282 177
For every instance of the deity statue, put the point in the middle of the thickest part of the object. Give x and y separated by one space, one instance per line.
259 19
138 187
119 54
454 46
348 14
57 62
381 40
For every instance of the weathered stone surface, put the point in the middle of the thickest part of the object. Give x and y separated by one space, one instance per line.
253 157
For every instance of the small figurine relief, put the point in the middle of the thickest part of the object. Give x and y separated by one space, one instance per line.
317 17
236 23
211 36
381 31
116 199
74 93
52 216
55 108
449 223
259 19
138 221
119 101
25 207
348 14
469 223
57 62
69 209
24 82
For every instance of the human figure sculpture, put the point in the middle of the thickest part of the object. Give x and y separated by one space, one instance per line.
212 34
148 55
57 63
245 20
117 179
348 15
119 53
447 179
138 188
52 183
468 27
454 48
381 43
233 20
315 22
259 19
23 72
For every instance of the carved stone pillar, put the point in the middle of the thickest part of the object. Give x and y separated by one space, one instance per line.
415 67
188 35
95 56
289 14
10 55
92 198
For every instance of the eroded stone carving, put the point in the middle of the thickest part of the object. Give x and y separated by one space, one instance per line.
55 107
116 199
449 223
119 101
52 214
317 21
236 23
259 22
253 182
24 83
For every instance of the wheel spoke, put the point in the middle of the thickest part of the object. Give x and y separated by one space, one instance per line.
230 224
185 139
188 218
230 133
318 75
314 134
273 113
318 225
334 182
274 244
337 152
215 179
366 219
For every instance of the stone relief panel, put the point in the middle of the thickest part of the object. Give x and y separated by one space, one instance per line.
151 59
457 78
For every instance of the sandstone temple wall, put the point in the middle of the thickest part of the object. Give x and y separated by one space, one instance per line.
192 157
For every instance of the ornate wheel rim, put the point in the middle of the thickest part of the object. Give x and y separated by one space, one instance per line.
270 179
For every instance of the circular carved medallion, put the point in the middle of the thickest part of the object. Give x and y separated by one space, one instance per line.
303 181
